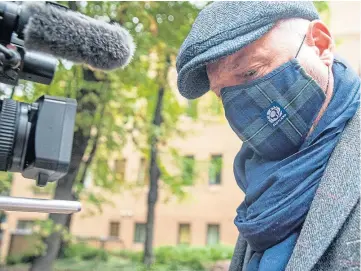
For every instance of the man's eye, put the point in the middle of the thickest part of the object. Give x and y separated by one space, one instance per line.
250 73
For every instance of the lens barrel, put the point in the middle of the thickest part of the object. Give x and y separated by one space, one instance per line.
14 134
8 121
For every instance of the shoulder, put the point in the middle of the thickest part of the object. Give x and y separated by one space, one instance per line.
349 144
239 254
344 167
344 251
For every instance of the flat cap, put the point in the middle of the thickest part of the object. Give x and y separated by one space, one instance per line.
223 28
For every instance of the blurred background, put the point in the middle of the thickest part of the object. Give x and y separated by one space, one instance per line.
153 171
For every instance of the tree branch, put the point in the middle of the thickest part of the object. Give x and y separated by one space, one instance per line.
93 150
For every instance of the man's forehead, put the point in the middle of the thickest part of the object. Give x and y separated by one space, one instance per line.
257 49
227 59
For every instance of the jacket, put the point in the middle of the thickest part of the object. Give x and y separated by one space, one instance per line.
330 236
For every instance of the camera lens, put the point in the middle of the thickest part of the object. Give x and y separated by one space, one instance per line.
8 118
14 133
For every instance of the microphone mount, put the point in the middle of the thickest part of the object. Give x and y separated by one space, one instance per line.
15 62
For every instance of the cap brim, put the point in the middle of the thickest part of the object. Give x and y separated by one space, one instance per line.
193 80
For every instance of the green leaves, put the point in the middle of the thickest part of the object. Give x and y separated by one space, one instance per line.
323 9
192 109
5 183
322 6
188 170
215 169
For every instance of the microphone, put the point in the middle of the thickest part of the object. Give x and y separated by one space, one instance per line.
66 34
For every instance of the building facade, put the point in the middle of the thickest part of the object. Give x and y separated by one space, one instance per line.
206 215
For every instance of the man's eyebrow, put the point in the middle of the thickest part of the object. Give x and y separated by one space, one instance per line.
253 59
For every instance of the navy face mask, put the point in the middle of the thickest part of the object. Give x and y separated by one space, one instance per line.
273 114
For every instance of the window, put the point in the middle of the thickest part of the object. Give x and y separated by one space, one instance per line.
215 169
184 234
212 234
114 229
139 233
119 168
3 217
188 170
25 226
142 171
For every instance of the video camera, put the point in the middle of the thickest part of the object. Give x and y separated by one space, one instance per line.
35 139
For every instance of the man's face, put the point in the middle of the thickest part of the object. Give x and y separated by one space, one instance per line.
276 47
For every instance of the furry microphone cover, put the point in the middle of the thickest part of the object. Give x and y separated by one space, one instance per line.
76 37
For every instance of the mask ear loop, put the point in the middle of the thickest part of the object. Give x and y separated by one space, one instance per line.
299 49
328 79
328 70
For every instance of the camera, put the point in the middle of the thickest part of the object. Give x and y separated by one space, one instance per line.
35 138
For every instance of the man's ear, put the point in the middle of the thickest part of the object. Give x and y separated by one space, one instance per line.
318 36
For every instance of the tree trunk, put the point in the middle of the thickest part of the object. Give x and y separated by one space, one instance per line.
64 186
63 191
87 164
64 244
154 174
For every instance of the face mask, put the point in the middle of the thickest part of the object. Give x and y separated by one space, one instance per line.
273 114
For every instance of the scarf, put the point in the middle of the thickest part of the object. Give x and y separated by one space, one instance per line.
278 194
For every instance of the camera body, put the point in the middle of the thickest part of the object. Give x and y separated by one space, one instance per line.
51 137
36 139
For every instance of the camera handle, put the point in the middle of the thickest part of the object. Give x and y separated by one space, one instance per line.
39 205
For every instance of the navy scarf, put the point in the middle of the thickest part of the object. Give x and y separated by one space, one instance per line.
279 193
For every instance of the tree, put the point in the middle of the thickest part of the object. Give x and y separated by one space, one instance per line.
160 28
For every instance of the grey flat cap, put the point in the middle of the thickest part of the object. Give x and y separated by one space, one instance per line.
223 28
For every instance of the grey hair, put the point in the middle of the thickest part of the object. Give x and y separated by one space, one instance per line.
296 26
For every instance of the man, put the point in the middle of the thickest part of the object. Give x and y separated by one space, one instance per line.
295 106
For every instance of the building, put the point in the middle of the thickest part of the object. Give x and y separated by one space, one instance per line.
206 216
